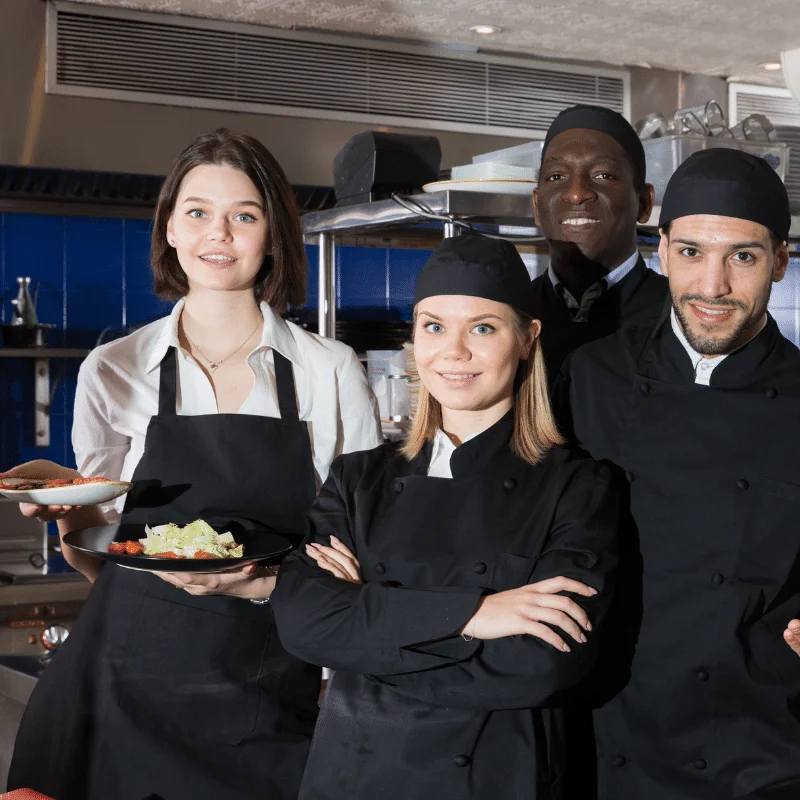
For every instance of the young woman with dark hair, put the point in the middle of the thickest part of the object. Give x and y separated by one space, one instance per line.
222 410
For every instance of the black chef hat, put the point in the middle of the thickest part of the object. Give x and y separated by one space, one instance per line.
604 120
477 266
728 183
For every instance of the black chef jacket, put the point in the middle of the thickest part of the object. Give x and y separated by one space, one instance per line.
637 300
414 712
710 707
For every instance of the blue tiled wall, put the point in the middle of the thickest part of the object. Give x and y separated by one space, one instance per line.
94 273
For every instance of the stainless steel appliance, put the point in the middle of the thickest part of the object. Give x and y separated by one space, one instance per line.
37 611
23 541
791 135
36 615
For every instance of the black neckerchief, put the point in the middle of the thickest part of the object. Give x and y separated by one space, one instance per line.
624 290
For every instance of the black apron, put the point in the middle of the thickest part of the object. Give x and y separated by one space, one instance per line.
158 693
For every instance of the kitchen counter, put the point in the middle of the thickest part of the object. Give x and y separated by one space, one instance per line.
32 589
18 676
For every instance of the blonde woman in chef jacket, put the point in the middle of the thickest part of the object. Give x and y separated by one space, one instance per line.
456 583
222 409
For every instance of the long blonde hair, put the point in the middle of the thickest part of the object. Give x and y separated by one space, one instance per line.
535 429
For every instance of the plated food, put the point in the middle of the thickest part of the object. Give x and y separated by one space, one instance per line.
193 548
195 540
16 484
63 491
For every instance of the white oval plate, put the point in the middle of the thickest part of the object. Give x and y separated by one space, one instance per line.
491 185
84 494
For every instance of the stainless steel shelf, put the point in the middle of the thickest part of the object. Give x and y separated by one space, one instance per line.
510 214
498 209
43 352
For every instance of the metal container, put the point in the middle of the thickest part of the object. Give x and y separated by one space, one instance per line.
665 154
790 135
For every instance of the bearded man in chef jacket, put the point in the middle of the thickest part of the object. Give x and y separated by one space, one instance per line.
700 699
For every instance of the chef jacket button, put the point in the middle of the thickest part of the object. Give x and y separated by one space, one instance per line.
644 388
700 764
702 675
480 567
509 483
462 761
629 476
742 484
397 485
718 579
380 569
771 394
618 761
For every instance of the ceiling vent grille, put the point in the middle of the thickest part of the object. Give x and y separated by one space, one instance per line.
157 58
776 104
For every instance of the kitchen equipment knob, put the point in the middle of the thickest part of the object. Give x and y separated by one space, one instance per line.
36 560
54 636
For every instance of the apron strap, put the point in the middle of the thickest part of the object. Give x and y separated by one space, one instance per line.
168 385
287 396
284 379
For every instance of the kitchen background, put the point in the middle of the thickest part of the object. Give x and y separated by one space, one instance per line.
99 96
95 281
92 267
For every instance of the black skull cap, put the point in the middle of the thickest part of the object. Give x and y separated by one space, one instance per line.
603 120
477 266
725 182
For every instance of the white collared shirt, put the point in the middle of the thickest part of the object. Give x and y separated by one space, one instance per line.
703 366
613 277
443 449
118 382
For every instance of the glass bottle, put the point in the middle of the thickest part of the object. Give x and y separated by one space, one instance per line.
24 312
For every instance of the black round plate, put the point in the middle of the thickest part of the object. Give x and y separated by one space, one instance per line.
259 545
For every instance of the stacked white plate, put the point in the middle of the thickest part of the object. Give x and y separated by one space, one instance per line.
487 177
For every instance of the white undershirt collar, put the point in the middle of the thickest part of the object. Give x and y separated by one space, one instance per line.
703 366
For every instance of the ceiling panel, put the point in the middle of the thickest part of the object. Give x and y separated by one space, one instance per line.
729 38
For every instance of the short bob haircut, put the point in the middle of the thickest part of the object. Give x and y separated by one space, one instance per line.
281 281
535 429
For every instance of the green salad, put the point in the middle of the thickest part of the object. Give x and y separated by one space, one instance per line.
188 541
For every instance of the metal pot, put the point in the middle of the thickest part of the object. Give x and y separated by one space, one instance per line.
25 335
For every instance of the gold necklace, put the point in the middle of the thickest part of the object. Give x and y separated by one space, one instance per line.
214 365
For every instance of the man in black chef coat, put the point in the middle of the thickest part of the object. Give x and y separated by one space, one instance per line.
702 412
591 195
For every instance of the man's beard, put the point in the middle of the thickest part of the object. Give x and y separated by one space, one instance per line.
712 346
